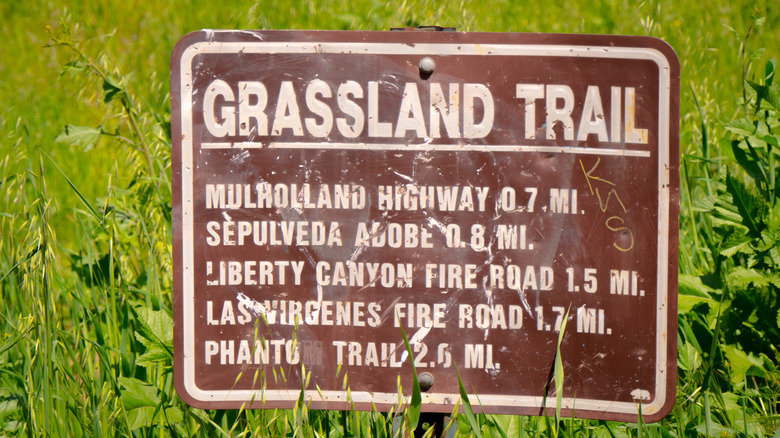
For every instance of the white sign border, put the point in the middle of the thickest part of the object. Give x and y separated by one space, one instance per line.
460 49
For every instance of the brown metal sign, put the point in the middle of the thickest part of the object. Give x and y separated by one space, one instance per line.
476 190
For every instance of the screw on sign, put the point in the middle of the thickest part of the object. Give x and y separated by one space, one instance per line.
474 190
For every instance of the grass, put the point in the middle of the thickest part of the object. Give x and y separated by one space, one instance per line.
85 264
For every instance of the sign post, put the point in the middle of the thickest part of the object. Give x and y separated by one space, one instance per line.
331 188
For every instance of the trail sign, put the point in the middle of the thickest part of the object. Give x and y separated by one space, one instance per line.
476 190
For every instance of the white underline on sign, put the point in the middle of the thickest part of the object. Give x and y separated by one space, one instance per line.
228 145
430 147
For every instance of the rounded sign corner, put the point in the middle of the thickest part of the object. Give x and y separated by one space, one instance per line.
659 414
669 53
185 391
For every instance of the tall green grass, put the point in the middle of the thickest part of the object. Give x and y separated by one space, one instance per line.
85 226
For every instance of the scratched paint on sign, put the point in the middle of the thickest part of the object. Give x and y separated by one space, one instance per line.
329 193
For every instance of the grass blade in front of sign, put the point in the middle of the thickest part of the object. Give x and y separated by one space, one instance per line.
415 405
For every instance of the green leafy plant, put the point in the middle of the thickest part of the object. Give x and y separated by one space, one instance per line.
746 216
730 322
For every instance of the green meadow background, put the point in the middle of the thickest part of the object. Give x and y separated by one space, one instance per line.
85 212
